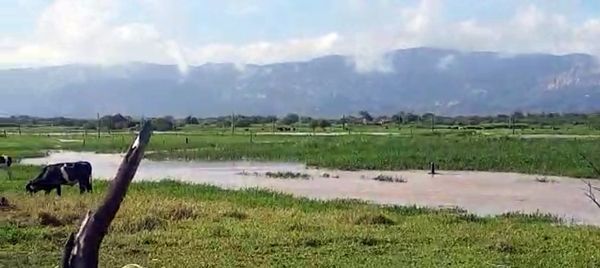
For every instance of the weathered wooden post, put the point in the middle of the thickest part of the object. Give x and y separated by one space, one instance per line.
273 126
82 248
98 124
232 124
512 124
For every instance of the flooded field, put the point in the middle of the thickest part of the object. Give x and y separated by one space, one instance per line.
482 193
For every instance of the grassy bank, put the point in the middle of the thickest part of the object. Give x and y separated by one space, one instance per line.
468 152
168 224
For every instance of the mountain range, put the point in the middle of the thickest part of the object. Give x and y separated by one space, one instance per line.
416 80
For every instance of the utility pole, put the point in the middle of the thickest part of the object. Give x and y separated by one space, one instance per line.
273 125
432 122
98 124
232 123
512 124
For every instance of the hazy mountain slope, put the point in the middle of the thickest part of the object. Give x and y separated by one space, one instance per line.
419 80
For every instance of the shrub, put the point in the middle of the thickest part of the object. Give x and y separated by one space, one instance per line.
387 178
287 175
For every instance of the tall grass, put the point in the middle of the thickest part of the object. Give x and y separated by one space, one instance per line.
540 156
169 224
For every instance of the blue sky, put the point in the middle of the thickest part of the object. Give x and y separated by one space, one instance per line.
46 32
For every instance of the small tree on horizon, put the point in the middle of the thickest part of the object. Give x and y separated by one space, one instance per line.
366 116
290 119
190 120
314 124
324 124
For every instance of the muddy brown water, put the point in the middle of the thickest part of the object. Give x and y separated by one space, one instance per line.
482 193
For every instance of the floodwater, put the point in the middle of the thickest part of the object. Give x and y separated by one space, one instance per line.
482 193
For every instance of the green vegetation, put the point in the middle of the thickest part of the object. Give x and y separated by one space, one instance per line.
451 151
178 225
516 123
387 178
169 224
287 175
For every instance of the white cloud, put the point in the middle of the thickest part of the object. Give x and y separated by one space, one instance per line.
85 31
266 52
445 62
92 31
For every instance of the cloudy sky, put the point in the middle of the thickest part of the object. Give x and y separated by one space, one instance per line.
192 32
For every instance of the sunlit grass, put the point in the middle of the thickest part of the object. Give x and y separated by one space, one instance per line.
170 224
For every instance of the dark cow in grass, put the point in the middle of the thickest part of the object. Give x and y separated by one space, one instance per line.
5 163
53 176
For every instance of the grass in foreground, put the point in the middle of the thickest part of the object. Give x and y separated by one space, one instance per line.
168 224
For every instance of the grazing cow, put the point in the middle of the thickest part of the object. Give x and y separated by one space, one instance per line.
53 176
5 163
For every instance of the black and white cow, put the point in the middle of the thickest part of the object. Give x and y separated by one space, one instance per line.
55 175
5 163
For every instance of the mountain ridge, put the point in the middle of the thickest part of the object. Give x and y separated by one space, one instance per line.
443 81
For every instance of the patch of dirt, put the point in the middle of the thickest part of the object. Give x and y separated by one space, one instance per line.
375 220
5 204
47 219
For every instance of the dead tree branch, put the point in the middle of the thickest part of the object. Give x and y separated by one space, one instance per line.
82 249
591 164
590 193
590 189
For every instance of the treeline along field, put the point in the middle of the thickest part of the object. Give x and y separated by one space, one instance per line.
557 123
550 156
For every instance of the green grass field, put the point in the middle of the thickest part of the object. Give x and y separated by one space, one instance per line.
168 224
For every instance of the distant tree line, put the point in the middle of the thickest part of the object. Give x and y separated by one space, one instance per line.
170 123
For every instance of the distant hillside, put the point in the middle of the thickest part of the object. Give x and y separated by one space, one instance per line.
420 80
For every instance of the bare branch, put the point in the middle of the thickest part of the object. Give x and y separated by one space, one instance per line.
82 249
591 164
590 193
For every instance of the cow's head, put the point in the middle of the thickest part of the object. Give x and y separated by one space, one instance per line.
31 188
5 160
38 182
